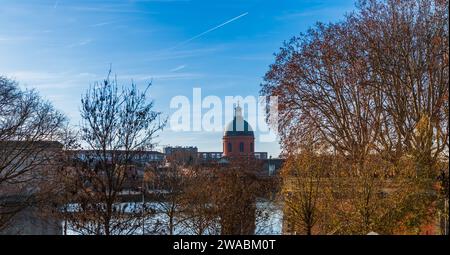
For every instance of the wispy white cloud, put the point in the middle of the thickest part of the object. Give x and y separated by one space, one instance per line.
52 80
109 9
101 24
44 80
14 38
178 68
160 76
80 43
316 12
163 55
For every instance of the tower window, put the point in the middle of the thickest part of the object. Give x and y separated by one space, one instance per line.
251 147
241 147
230 148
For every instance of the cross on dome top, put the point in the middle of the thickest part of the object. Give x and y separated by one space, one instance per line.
238 126
238 111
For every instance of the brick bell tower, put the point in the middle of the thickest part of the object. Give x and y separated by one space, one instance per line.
238 138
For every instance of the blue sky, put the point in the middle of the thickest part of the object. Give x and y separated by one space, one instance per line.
61 47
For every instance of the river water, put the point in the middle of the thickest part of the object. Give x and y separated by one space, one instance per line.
268 221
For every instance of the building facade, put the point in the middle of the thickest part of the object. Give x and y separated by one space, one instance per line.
238 138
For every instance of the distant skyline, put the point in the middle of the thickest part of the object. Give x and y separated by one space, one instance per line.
223 47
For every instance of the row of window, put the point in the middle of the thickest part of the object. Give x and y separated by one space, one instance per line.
241 147
212 155
135 157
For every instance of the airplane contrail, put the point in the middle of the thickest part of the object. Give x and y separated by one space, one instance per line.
210 30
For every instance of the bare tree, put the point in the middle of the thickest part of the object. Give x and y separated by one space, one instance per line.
29 129
236 188
168 184
409 65
199 209
304 192
116 123
407 47
222 198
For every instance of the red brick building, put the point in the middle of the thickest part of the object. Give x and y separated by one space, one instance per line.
238 139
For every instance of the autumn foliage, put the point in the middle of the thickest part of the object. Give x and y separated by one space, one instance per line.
372 89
